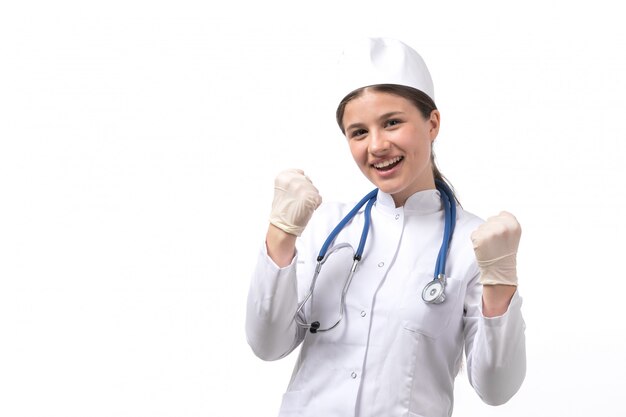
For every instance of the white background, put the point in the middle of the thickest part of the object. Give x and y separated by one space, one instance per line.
138 145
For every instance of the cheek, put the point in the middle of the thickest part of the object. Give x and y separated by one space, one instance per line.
421 147
358 152
424 155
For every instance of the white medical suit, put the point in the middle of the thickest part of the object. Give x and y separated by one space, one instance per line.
392 355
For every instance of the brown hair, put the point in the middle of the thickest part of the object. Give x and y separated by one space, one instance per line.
420 100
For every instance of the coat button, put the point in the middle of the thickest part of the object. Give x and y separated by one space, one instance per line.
363 313
381 264
353 375
397 216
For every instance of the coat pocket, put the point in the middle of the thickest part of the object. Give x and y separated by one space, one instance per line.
431 320
292 404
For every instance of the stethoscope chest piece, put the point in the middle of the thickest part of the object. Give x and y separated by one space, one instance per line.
434 291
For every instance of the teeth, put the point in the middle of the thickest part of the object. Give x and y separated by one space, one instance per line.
387 163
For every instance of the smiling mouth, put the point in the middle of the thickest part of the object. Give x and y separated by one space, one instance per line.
389 164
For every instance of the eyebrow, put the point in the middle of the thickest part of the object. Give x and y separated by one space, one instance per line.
382 117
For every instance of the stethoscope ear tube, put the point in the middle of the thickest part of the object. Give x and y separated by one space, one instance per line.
314 327
370 198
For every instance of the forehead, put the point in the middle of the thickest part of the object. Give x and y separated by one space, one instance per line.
373 103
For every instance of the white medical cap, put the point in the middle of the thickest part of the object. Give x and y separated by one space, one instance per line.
373 61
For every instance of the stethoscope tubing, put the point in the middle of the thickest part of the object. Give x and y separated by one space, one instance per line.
449 205
449 208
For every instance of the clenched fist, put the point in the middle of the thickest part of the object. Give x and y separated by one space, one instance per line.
495 246
295 200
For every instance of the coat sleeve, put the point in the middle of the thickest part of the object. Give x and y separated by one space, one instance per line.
495 348
271 330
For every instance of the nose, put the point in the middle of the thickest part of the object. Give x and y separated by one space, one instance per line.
378 143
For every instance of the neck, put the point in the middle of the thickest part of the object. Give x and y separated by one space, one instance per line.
400 198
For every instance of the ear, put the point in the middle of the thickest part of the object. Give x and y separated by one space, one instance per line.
433 124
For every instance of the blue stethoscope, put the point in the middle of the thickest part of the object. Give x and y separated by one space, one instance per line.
434 291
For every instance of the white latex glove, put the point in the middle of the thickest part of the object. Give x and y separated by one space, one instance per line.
295 200
495 246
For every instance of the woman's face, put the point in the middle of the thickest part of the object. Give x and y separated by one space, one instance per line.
390 141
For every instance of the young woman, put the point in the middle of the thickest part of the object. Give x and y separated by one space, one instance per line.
385 306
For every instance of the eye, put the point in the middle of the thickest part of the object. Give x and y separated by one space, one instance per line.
357 133
392 122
